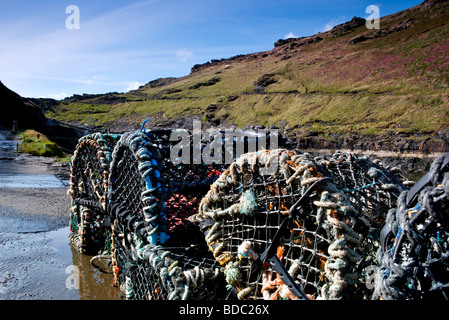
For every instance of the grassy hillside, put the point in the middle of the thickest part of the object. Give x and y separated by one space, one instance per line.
347 80
37 144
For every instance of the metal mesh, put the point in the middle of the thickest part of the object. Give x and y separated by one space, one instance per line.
88 186
186 183
276 224
156 254
322 246
414 253
372 191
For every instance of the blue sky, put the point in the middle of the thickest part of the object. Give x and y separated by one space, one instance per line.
123 44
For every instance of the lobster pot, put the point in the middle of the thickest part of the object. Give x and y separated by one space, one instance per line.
88 187
281 229
186 182
152 257
415 241
372 190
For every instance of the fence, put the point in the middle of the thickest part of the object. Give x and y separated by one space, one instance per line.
310 228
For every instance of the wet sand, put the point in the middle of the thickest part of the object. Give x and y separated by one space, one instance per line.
36 259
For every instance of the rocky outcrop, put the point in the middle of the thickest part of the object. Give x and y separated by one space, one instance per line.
358 39
207 83
263 82
397 142
347 27
223 61
160 82
295 43
432 3
401 26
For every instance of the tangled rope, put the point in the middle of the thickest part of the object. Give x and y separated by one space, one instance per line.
88 188
414 253
241 216
372 191
335 204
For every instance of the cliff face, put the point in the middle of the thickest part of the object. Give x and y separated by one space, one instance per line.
30 116
14 108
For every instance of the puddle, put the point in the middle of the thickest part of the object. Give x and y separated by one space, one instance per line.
45 266
89 282
30 181
36 263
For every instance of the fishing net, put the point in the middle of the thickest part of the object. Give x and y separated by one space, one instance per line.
157 254
414 249
298 230
156 182
88 186
276 224
372 190
185 182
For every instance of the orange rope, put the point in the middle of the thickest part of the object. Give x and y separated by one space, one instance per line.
277 282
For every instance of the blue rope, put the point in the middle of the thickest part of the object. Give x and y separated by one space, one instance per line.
142 129
361 188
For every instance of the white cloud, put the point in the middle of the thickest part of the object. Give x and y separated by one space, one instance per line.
68 60
132 85
290 35
328 26
184 55
334 22
56 96
122 44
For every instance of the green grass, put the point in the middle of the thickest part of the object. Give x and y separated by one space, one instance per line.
78 112
37 144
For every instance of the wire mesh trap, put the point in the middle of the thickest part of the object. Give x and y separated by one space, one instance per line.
274 224
414 249
88 187
372 190
132 207
157 254
297 232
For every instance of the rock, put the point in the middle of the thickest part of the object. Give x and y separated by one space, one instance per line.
161 82
265 80
281 42
347 27
297 42
358 39
207 83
